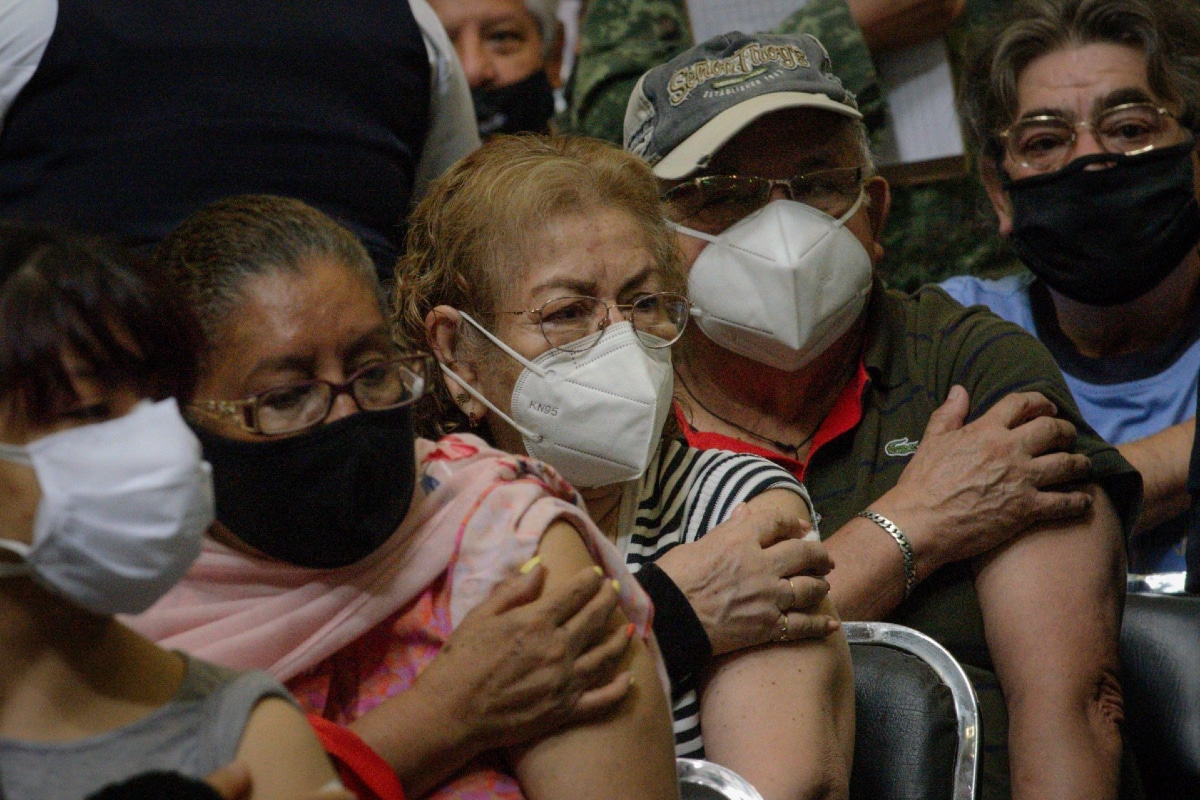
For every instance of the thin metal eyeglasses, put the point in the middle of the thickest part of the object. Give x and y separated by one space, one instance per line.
378 386
712 203
567 322
1044 143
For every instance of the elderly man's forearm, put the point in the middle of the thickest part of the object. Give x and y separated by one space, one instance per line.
1163 459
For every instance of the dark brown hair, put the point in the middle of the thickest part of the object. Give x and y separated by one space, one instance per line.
60 291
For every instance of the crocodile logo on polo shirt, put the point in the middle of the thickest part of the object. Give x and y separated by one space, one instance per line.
899 448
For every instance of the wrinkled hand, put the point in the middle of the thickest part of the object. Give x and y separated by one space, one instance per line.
893 24
520 666
232 782
971 487
736 579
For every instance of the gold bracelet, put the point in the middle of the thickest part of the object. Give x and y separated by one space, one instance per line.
906 549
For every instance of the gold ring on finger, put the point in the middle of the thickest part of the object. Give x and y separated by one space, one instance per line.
783 628
795 600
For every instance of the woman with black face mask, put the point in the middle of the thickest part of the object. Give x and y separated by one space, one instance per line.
348 553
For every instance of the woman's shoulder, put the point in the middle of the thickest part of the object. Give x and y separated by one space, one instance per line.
206 681
459 459
691 491
224 698
678 462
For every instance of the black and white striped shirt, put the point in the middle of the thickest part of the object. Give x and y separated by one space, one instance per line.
684 494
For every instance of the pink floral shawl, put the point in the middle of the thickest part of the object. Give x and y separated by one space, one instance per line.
247 612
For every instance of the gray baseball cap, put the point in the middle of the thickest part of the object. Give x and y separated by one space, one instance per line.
684 111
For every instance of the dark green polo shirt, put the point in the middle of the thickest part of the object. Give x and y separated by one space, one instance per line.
918 347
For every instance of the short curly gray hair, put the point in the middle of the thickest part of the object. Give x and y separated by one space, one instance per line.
1166 31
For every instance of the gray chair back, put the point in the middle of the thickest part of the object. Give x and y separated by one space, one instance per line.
916 717
1160 673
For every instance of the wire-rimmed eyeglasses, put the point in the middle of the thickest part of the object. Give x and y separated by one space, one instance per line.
295 407
1046 142
712 203
567 322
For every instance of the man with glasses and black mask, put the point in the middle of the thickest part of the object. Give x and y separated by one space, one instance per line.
511 52
1001 537
1085 112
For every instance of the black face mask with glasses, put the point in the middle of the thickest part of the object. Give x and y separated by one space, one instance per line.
1108 235
318 495
325 498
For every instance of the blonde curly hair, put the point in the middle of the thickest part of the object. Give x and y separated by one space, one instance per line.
468 238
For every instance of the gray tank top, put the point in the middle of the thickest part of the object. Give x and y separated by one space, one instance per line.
196 732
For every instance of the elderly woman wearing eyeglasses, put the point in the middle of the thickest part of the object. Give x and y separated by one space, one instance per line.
542 276
353 560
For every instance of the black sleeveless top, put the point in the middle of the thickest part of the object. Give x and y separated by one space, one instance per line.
140 113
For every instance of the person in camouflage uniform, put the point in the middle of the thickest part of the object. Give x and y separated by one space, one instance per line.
935 230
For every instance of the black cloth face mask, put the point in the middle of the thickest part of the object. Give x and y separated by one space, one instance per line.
324 498
1107 236
524 106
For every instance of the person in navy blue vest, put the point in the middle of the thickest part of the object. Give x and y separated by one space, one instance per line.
123 118
1088 152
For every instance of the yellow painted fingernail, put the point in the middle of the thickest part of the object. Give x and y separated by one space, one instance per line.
617 585
598 570
530 564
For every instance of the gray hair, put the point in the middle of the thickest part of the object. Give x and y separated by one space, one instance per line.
863 141
1166 31
546 14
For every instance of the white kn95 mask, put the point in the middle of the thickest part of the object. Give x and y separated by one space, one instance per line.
781 285
594 416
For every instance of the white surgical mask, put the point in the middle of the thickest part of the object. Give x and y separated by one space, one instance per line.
124 506
781 285
595 416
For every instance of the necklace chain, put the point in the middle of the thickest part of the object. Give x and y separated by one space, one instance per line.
778 445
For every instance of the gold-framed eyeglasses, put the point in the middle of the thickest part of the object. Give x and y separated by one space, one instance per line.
567 323
1046 142
294 407
712 203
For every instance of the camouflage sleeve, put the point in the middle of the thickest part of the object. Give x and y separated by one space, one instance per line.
619 41
831 22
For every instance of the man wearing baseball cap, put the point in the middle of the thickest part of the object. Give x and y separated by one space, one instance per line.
1002 537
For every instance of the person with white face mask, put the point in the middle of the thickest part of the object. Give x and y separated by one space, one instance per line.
800 354
104 498
541 275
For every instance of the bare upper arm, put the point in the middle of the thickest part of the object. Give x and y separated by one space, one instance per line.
782 716
782 500
283 754
1052 595
627 752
